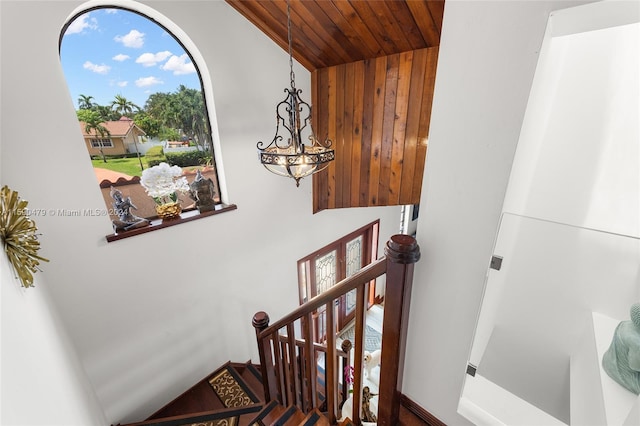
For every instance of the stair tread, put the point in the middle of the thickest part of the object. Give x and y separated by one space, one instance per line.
292 416
271 412
202 396
231 388
252 382
315 418
199 397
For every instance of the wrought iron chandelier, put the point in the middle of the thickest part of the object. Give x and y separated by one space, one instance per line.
293 115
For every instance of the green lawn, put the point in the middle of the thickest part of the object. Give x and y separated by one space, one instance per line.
128 166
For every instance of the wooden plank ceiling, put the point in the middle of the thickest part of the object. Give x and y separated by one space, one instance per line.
373 65
332 32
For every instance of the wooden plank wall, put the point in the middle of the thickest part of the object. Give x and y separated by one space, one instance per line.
377 114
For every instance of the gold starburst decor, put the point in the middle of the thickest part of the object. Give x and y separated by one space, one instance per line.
18 234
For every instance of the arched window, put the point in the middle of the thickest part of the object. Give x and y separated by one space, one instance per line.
145 116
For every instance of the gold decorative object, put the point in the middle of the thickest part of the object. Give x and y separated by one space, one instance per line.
169 210
18 233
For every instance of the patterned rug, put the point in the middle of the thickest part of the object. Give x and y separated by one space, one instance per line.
230 389
372 339
232 392
232 421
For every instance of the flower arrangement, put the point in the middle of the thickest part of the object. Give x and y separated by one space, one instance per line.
162 182
348 376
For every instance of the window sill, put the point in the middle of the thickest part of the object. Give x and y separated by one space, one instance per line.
157 224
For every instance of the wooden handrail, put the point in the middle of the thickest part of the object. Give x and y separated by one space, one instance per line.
289 364
363 276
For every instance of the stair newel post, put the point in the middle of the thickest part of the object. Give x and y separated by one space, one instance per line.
402 252
260 322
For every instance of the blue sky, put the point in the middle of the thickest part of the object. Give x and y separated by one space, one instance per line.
109 52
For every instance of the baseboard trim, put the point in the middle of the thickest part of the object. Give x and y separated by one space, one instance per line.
418 411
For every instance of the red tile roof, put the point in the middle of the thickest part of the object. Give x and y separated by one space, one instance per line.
116 128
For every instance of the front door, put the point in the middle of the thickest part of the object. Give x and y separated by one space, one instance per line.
326 267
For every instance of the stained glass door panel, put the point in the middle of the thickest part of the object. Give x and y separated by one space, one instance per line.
326 272
354 260
325 277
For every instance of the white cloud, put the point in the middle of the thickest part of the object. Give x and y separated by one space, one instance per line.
134 39
148 81
98 69
121 57
81 23
179 65
152 59
119 83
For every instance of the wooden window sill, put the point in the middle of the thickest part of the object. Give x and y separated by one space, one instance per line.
156 224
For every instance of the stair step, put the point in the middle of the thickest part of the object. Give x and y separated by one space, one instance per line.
269 413
229 386
205 397
248 375
292 416
229 416
199 397
315 418
255 370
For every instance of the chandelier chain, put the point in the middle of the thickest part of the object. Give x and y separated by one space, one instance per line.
291 74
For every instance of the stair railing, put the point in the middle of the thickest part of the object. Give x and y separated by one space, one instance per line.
289 363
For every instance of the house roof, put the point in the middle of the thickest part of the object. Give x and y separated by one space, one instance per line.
119 128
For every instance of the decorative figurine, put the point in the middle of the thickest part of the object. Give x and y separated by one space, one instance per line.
622 360
203 192
367 415
122 207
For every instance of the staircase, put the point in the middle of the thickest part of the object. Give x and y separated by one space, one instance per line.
290 387
233 395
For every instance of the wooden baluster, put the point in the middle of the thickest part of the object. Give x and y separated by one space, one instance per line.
310 361
346 363
360 316
331 386
260 321
286 371
294 370
279 367
402 252
306 406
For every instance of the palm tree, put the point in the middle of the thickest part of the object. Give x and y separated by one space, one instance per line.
93 123
192 115
105 112
85 102
123 106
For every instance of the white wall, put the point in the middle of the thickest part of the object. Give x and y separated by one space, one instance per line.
487 59
43 382
151 315
575 189
578 160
